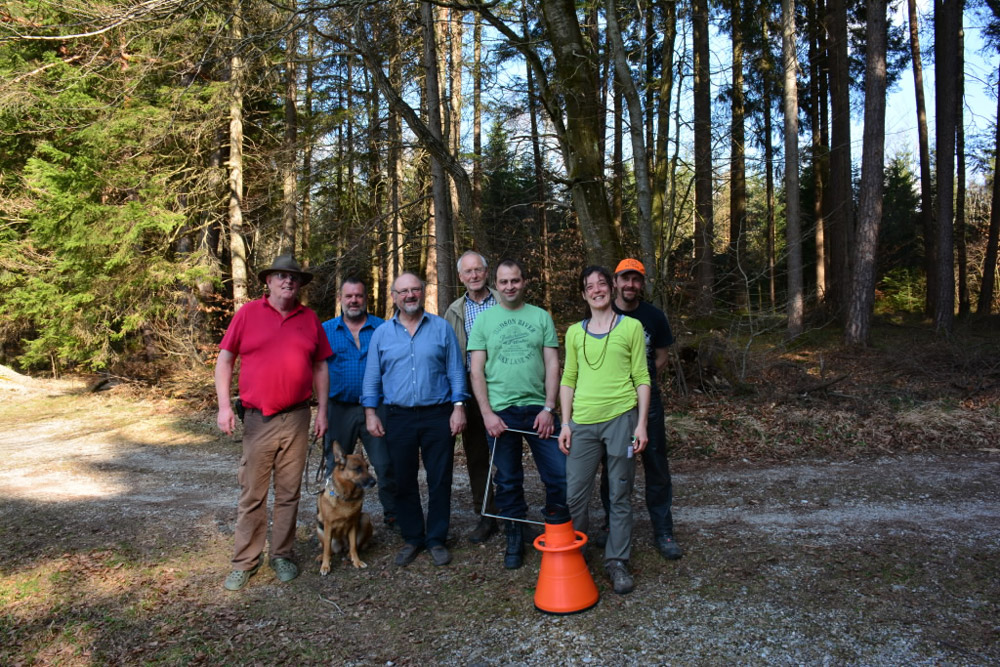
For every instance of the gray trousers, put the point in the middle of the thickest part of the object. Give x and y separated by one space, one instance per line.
589 444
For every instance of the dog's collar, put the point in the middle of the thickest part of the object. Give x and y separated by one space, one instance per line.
331 490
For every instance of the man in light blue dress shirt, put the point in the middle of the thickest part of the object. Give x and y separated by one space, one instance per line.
415 363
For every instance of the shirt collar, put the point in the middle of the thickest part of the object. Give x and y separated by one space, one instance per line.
298 307
339 323
489 295
423 318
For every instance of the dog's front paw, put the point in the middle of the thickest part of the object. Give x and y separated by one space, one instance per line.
324 570
360 564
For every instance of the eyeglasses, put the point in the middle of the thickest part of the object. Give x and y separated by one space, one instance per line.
281 275
408 291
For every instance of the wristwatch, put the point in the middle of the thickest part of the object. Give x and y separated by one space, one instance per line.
548 409
459 404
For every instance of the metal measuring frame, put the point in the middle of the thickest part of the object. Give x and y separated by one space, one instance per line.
489 478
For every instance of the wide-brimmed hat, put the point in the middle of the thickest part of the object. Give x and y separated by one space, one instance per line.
630 265
285 264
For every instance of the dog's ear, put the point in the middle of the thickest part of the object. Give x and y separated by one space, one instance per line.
338 455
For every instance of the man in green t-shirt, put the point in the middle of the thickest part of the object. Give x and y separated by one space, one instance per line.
514 367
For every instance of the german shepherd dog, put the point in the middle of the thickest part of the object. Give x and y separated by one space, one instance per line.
339 519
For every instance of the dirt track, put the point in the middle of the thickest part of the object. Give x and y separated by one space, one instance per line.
885 561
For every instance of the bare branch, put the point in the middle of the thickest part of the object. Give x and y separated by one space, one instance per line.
149 9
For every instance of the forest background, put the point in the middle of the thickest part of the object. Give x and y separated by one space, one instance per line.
155 154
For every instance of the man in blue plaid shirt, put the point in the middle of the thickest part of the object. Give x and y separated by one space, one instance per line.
349 336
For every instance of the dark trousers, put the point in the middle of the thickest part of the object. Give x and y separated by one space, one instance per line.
659 490
346 425
414 434
507 459
477 457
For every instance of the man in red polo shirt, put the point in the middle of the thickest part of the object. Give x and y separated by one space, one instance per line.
283 352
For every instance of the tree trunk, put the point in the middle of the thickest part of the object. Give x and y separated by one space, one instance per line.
947 23
395 168
289 207
769 187
640 162
237 245
601 80
986 290
372 246
767 103
964 306
840 221
703 227
307 149
661 192
737 162
793 232
434 143
926 185
617 165
538 163
439 185
477 112
862 297
459 226
817 82
580 129
576 71
649 101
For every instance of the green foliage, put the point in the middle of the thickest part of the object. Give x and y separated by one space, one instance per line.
901 289
508 195
900 245
102 147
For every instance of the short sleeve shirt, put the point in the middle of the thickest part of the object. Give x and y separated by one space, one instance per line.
276 354
514 342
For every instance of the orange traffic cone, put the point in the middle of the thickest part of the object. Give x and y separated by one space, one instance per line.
564 582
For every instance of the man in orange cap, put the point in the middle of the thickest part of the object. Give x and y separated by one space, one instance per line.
630 278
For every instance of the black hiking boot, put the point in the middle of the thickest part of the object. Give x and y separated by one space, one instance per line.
513 557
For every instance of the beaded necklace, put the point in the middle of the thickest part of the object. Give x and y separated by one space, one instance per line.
604 350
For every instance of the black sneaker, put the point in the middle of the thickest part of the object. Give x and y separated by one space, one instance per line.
668 547
621 580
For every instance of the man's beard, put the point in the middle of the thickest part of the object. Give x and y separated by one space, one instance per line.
633 298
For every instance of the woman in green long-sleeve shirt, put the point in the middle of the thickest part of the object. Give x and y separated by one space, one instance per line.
604 396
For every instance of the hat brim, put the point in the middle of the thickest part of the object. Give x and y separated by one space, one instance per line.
306 277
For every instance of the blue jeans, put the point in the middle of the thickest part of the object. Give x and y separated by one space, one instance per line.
509 478
415 434
347 424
